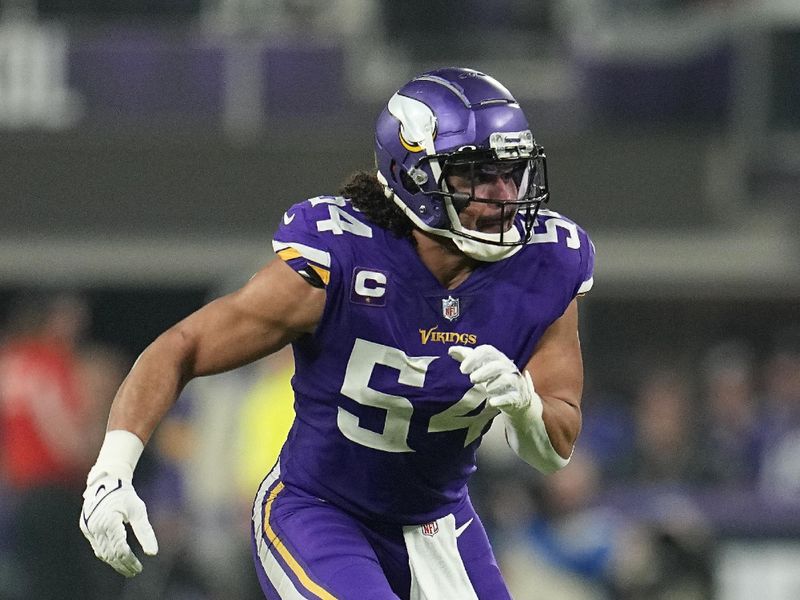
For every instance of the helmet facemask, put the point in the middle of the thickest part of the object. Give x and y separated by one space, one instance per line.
524 163
478 166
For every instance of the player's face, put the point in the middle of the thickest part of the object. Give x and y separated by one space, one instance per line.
495 182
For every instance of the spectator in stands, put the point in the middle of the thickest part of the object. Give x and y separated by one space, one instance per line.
576 545
48 432
666 438
780 464
731 419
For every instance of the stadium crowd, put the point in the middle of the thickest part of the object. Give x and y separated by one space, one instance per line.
656 479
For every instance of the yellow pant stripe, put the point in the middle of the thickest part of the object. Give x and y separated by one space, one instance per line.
284 552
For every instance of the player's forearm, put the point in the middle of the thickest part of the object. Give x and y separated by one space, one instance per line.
562 421
545 445
153 385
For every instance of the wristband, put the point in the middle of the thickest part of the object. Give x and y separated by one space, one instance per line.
118 455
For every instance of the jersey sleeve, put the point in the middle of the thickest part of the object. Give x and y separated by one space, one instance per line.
569 247
299 244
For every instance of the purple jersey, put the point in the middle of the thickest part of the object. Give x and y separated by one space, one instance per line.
387 426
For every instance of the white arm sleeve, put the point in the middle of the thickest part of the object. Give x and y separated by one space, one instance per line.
527 435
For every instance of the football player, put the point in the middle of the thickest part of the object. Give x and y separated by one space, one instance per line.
429 298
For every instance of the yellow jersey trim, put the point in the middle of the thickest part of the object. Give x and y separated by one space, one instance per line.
324 274
289 254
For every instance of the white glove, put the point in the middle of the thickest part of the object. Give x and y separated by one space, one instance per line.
506 388
110 501
513 393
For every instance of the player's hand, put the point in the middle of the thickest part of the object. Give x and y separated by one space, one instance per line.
108 503
512 392
506 388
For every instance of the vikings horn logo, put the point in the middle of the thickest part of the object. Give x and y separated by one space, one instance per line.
417 123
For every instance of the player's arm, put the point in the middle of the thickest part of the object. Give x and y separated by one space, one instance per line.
272 309
542 422
556 368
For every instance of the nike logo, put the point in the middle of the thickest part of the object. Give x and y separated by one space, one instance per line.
287 218
100 488
460 530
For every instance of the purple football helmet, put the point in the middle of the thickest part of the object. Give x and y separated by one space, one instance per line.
459 120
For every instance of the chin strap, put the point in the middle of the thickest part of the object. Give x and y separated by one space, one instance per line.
483 251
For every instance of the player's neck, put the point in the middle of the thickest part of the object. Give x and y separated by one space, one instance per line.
444 260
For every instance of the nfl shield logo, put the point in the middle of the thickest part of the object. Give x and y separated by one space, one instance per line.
430 529
450 308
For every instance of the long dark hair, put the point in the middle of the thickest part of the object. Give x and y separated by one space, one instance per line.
366 194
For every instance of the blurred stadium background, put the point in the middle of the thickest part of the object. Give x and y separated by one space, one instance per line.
148 148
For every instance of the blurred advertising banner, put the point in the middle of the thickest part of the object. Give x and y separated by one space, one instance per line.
34 91
52 77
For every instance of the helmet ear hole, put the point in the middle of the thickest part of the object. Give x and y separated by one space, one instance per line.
409 184
393 169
